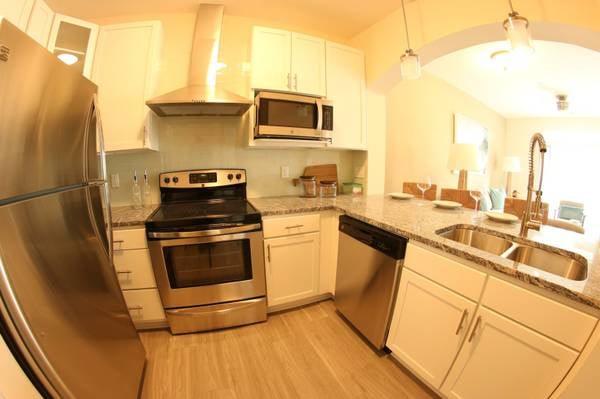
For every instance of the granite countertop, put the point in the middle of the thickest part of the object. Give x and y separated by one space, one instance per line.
127 216
419 220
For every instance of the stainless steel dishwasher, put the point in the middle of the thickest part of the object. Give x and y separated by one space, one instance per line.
368 272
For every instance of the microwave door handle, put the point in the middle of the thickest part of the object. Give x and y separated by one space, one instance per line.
319 115
257 106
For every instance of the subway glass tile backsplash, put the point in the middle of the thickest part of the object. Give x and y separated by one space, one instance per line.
218 142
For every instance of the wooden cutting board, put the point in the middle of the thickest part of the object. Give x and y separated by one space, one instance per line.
323 172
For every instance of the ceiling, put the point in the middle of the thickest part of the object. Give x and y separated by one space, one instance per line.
342 18
528 90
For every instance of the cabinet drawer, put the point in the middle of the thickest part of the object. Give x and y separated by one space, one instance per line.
134 269
129 239
289 225
144 305
456 276
553 319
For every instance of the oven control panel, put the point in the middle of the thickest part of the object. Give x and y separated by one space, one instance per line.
203 178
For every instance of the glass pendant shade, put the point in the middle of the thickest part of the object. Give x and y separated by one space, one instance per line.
518 34
410 65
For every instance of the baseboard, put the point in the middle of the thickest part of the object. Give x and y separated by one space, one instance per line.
299 303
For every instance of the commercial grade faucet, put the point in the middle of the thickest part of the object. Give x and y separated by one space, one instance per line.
532 217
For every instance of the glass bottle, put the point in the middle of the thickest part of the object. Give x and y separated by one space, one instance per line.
136 192
147 190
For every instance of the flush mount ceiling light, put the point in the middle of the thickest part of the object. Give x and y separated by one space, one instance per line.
68 58
562 104
517 32
410 65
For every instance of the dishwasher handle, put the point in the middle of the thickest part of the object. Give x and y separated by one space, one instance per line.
390 244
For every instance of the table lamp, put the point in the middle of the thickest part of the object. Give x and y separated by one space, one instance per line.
465 158
511 164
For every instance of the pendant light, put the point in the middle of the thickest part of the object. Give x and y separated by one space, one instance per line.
410 66
517 32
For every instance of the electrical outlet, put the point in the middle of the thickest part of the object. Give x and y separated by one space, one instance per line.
114 180
285 172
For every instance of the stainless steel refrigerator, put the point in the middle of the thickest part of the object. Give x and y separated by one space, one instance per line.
62 313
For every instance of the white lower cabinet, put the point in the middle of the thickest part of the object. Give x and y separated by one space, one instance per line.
292 268
145 307
131 259
430 322
500 342
503 359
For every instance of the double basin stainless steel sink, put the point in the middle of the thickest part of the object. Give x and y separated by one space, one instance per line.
569 266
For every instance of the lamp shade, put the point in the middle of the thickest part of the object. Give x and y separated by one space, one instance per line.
464 157
511 164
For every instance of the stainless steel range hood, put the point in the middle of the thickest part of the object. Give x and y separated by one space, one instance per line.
202 97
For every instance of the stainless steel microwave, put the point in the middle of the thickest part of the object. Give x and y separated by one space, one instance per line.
292 116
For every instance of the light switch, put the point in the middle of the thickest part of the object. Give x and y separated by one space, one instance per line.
114 180
285 172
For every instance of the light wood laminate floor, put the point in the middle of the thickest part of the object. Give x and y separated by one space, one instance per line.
304 353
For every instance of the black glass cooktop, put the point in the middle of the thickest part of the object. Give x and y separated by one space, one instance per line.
202 214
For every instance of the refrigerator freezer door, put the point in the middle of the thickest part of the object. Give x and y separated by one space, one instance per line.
62 300
44 113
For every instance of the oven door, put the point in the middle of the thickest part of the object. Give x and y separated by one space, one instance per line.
280 115
209 269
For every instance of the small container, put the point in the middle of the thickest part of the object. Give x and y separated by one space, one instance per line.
309 186
328 189
353 188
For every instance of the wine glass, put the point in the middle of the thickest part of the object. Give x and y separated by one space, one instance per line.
476 195
424 185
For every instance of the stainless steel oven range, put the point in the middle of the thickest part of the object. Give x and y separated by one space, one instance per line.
206 245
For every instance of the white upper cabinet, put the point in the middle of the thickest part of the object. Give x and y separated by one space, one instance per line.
429 324
346 88
76 39
503 359
125 69
40 22
286 61
17 11
271 59
308 64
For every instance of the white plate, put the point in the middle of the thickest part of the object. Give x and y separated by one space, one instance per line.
502 217
403 196
447 204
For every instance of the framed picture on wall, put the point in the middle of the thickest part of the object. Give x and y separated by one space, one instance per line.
470 131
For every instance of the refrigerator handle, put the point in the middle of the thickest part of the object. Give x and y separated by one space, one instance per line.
95 125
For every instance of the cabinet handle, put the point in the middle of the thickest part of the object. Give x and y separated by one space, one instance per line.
475 329
289 81
138 308
124 272
464 317
269 253
296 81
120 242
296 226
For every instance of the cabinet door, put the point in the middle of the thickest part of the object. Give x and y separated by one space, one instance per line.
504 359
292 265
346 88
125 70
271 57
74 37
40 22
16 12
428 326
308 64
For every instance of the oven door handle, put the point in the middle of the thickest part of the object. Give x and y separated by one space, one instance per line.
203 233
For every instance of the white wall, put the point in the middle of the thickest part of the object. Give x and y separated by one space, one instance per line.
420 131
